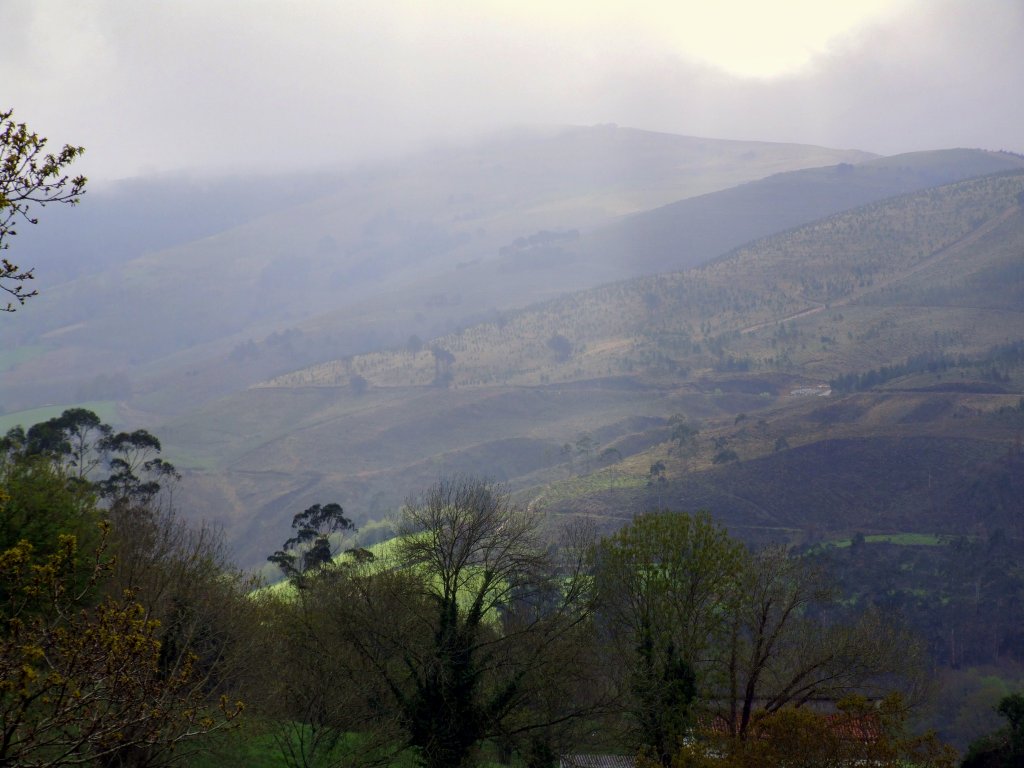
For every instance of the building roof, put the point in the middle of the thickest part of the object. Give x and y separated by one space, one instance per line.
597 761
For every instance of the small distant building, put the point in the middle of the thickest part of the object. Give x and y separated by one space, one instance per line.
821 390
597 761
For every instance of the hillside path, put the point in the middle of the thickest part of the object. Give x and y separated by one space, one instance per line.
970 238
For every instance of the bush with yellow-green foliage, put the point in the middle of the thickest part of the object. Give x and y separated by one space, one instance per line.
82 681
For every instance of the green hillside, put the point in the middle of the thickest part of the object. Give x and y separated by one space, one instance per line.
689 232
742 348
439 243
739 307
359 244
548 263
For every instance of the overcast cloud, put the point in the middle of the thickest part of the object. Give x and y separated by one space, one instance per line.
221 85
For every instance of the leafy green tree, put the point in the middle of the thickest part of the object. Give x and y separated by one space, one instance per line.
40 501
29 177
662 581
1004 748
197 618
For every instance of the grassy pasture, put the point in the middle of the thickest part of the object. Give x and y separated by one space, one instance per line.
385 556
105 409
902 539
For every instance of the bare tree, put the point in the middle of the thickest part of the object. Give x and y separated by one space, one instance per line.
204 619
482 619
780 654
29 177
324 687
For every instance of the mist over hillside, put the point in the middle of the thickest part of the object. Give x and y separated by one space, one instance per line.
576 425
609 322
479 255
521 384
417 248
202 266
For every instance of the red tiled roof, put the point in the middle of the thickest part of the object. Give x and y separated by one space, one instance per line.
597 761
864 728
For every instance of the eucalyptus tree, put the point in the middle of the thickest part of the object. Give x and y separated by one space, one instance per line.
311 549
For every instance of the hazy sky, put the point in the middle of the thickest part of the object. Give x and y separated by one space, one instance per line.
272 84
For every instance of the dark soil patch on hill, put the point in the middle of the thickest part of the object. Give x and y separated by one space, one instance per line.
875 485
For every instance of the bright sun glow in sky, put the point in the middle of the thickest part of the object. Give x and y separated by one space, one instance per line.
745 38
213 84
766 39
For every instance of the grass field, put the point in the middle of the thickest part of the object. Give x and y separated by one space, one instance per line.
903 539
105 409
258 745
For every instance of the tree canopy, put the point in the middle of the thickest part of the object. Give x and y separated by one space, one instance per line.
466 631
699 625
310 548
118 624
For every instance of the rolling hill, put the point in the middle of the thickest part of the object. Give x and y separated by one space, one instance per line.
353 241
455 283
740 347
